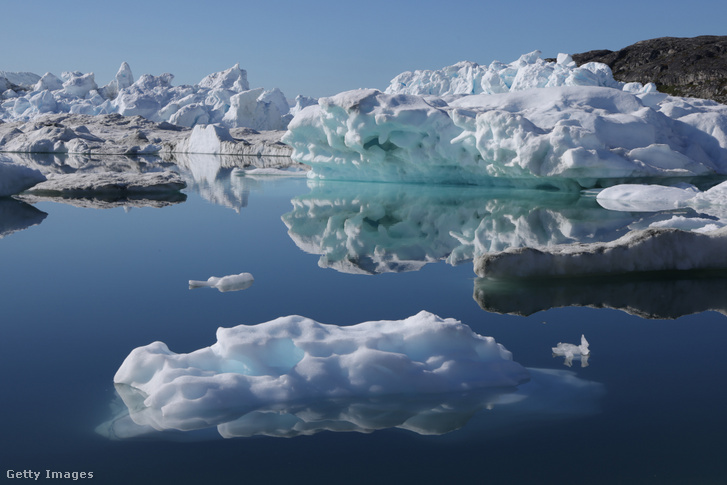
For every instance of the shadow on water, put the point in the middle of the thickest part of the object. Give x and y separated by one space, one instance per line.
651 295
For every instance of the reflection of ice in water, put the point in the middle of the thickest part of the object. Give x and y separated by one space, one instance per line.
570 351
550 394
17 216
646 295
376 228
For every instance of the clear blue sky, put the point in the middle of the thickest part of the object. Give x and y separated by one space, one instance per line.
322 47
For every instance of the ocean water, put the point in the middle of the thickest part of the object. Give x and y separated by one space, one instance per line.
83 285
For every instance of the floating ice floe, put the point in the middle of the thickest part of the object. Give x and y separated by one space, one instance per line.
570 351
295 361
99 183
564 137
655 249
710 205
16 178
235 282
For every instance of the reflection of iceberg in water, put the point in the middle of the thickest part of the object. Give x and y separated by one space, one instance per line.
662 296
16 216
376 228
550 394
212 175
294 376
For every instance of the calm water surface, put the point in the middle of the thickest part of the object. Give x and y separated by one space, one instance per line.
85 286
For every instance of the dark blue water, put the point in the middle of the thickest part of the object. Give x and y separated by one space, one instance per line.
85 286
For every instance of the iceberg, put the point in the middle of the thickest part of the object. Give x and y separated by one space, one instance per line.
568 137
570 351
16 178
527 72
223 97
710 206
295 360
236 282
639 251
80 184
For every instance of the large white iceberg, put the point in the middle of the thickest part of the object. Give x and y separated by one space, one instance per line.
572 136
297 360
224 97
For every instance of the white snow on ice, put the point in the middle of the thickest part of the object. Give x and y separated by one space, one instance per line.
572 137
528 72
295 359
224 97
710 205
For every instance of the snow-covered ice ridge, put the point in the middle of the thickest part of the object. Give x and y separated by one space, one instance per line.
223 97
297 360
549 129
529 71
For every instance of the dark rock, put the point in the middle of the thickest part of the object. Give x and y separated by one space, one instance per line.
694 67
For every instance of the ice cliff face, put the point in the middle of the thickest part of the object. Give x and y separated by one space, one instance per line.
571 136
224 97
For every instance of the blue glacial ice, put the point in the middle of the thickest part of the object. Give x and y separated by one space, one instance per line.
377 228
564 137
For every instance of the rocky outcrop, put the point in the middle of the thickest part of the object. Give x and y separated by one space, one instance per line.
694 67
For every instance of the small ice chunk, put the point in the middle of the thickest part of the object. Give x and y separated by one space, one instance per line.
571 351
235 282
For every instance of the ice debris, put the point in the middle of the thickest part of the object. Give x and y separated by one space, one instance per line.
295 360
235 282
571 351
